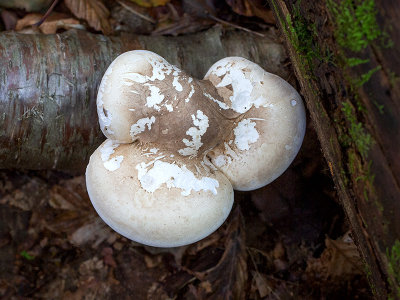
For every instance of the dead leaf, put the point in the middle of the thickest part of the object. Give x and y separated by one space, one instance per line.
29 6
70 194
150 3
73 214
93 281
152 261
250 8
229 277
51 27
177 252
90 266
340 259
52 23
194 293
186 24
28 20
108 258
204 243
131 17
261 284
206 286
94 232
9 19
221 267
279 250
27 196
93 11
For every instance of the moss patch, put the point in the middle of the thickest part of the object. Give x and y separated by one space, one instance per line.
302 36
393 255
356 29
393 78
356 23
355 61
358 135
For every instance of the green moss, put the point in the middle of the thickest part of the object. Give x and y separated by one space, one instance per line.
356 28
355 61
356 23
379 206
297 33
393 255
363 174
380 107
352 162
361 139
393 78
303 35
368 273
26 255
345 179
366 77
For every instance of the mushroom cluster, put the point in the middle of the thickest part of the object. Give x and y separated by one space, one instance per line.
177 146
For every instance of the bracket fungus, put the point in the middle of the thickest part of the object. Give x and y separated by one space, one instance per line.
177 147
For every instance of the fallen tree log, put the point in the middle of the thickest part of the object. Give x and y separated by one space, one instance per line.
49 83
346 55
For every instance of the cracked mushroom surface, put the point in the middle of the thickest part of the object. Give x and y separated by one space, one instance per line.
177 146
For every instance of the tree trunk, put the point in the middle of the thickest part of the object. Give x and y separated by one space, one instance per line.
48 86
346 54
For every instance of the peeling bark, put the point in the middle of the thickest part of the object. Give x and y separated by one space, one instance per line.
48 117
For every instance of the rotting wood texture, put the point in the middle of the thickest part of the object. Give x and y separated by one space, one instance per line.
48 117
346 55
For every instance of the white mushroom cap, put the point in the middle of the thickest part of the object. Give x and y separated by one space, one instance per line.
158 186
268 134
130 90
152 199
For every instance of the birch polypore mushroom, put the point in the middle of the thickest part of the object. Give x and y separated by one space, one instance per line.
177 147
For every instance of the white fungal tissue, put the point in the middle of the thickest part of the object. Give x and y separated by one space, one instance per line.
174 177
245 134
222 160
201 121
140 126
176 84
242 87
221 104
160 68
190 93
169 107
155 98
243 81
154 150
113 163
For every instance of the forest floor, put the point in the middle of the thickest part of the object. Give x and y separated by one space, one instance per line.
287 240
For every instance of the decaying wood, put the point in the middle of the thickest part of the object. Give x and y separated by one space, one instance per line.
48 117
346 55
